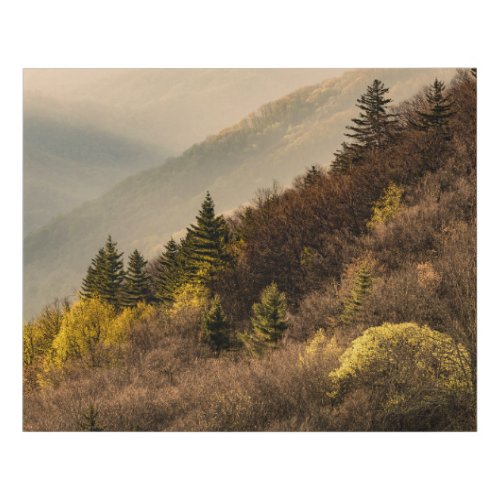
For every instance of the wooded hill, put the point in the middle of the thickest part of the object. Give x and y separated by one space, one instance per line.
143 211
347 302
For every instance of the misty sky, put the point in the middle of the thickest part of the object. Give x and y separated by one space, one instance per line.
168 108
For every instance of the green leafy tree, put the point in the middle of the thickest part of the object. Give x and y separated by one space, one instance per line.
415 378
90 332
269 315
137 282
216 326
439 110
207 240
84 328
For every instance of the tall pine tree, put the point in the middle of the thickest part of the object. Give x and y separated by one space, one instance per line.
372 129
269 315
105 275
137 282
92 285
439 110
207 240
113 274
169 271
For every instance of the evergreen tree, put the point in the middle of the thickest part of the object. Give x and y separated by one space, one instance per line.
372 129
112 274
169 276
137 282
206 242
360 289
215 326
313 175
269 315
346 157
92 285
439 110
188 263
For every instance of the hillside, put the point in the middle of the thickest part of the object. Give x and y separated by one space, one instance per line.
66 164
85 130
275 143
346 302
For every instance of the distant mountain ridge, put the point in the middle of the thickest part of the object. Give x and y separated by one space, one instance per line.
174 108
275 143
66 164
87 129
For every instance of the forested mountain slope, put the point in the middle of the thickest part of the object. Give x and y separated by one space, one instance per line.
277 142
345 302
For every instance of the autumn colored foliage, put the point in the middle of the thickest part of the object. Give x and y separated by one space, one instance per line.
345 302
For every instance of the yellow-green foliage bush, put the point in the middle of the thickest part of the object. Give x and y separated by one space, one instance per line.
86 325
125 321
386 207
320 345
88 328
39 333
406 369
35 342
189 296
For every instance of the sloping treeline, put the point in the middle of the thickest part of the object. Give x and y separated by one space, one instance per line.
195 259
287 237
300 281
295 238
300 236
